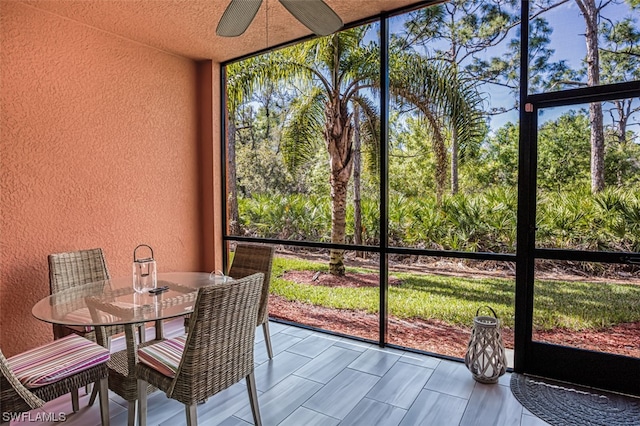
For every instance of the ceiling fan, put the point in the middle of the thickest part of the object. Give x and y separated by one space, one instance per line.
314 14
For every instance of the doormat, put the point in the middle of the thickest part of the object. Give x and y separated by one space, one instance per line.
568 405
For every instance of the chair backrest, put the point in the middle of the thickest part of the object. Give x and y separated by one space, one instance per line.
219 347
249 259
14 397
67 270
71 269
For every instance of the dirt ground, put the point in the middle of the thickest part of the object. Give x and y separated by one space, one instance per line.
432 335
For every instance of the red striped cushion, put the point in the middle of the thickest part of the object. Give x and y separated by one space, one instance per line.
164 356
56 360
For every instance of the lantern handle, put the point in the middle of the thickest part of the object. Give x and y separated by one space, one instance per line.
488 307
136 249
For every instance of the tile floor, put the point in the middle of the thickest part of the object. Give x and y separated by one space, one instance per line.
319 379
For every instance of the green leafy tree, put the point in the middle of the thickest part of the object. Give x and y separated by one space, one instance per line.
242 78
331 71
411 162
543 72
258 159
330 76
593 13
622 161
455 32
563 153
620 58
498 163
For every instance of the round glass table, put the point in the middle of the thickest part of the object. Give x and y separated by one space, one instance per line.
114 302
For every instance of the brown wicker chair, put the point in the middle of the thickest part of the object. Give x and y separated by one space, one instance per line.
68 270
249 259
71 269
216 353
17 398
121 366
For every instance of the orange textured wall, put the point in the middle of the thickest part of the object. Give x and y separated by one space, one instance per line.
100 144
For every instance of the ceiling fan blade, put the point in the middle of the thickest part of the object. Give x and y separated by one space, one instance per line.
237 17
315 15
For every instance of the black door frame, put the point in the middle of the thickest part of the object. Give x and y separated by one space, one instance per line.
590 368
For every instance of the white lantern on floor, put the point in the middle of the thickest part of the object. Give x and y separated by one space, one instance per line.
486 357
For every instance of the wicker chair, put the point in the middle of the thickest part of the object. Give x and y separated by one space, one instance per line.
121 365
30 379
216 353
249 259
68 270
71 269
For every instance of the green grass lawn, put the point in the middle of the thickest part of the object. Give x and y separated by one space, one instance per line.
455 300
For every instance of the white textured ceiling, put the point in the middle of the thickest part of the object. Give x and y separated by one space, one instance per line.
187 27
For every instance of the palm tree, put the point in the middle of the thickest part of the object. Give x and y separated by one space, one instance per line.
449 103
335 70
336 73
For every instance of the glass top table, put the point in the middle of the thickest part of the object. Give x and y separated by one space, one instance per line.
114 302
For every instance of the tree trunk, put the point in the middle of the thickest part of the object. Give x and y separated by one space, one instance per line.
338 135
590 12
357 207
440 153
233 225
454 161
338 221
623 109
597 147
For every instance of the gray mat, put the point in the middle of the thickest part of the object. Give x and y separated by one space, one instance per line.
564 404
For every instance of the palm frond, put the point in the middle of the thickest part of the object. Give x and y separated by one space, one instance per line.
435 84
361 68
303 130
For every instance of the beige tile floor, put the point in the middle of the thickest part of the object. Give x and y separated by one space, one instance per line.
319 379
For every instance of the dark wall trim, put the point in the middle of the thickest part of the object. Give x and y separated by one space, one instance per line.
526 208
223 168
588 256
601 93
384 179
505 257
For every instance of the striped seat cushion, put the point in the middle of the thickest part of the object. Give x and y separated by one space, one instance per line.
56 360
164 356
